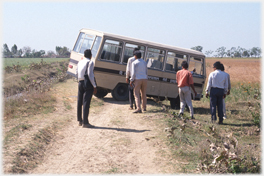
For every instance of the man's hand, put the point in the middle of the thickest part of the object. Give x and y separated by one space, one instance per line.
195 93
228 92
95 91
224 96
131 83
206 95
127 80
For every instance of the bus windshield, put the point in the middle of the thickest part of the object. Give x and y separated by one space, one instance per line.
87 41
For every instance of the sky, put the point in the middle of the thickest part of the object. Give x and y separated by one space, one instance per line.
43 25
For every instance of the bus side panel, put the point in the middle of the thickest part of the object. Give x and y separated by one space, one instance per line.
153 87
108 74
198 85
169 86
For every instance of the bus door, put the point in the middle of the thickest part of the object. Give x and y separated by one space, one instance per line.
173 64
196 67
154 59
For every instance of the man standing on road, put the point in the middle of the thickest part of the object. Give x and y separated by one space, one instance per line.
185 83
217 86
139 78
228 90
85 93
128 74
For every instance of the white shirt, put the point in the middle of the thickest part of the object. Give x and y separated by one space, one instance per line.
217 79
129 66
81 67
228 78
139 70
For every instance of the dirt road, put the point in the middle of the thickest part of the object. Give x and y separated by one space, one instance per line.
121 142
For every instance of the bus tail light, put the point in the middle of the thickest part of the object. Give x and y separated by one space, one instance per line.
70 66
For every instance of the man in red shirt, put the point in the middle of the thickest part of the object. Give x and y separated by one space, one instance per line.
185 83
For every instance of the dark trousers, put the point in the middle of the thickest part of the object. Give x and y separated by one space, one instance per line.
84 100
131 96
216 99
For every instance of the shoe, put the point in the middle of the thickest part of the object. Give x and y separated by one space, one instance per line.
88 126
80 123
220 123
192 117
180 115
144 110
224 117
137 111
130 108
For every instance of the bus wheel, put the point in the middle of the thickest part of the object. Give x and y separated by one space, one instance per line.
120 92
101 93
175 103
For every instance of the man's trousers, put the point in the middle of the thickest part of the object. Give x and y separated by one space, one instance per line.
185 98
84 100
216 100
141 86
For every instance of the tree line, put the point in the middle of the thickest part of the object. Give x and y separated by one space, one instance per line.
27 52
233 52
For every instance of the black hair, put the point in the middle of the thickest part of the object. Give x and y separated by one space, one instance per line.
184 64
138 54
135 49
222 67
88 53
217 65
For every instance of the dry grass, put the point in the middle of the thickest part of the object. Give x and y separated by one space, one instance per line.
240 70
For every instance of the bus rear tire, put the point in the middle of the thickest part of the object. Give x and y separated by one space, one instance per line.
175 103
120 92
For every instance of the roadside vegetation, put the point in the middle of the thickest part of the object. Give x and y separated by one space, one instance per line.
198 145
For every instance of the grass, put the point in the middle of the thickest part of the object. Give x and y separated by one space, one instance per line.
24 62
192 140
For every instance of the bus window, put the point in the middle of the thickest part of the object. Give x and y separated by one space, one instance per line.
155 58
96 45
172 62
87 43
196 66
112 50
129 48
79 42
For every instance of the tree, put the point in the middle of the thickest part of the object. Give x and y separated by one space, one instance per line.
255 51
208 53
246 53
197 48
221 51
26 51
50 54
14 49
62 51
6 51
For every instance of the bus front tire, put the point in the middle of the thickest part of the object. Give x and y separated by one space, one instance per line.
101 93
120 92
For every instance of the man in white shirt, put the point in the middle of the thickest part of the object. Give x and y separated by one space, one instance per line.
228 90
217 86
128 74
85 93
139 78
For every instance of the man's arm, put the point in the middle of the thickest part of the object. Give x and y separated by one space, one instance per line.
90 72
209 85
132 79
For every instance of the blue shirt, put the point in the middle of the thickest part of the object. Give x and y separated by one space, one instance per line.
217 79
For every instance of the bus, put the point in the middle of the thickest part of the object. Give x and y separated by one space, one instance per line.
110 53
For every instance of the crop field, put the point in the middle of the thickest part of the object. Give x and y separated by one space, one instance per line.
23 62
240 70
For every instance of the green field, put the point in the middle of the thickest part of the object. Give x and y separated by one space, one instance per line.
24 62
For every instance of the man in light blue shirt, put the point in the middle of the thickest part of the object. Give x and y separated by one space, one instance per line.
139 78
217 86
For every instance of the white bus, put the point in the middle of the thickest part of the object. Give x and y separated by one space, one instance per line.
110 53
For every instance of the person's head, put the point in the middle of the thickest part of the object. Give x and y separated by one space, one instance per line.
217 65
88 53
184 65
137 54
135 49
222 67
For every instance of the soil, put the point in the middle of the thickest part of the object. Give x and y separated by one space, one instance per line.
121 142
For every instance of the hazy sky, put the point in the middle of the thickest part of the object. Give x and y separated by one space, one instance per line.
45 25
